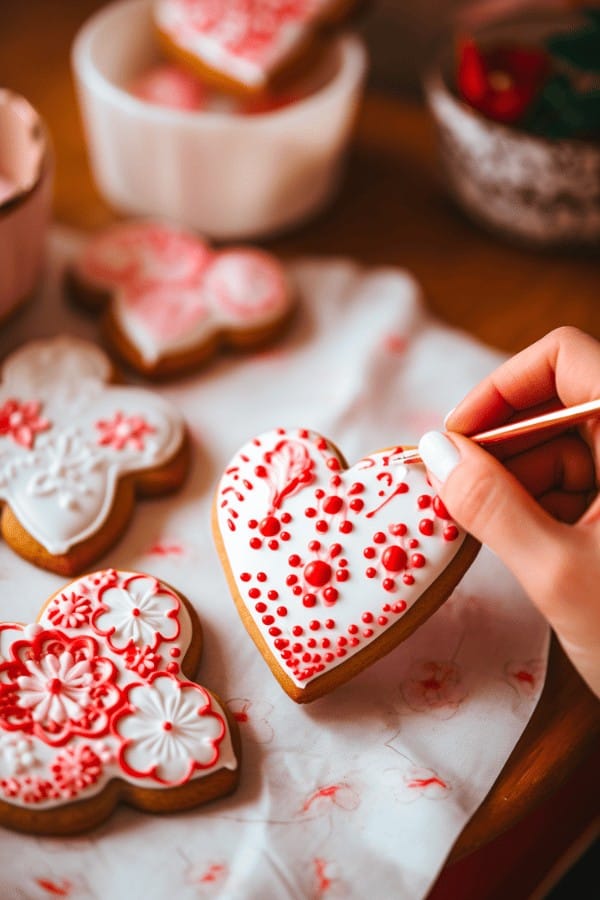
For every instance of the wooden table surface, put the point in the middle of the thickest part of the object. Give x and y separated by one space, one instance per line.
391 210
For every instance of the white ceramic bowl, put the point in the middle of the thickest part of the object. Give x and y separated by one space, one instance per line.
26 174
536 190
228 176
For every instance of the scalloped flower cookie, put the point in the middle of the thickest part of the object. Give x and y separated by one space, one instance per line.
97 707
171 302
332 566
75 450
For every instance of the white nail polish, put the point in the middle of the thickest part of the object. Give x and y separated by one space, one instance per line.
439 454
447 416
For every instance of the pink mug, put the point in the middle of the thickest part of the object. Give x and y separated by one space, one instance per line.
26 174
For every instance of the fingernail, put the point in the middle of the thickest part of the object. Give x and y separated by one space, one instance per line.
447 416
439 454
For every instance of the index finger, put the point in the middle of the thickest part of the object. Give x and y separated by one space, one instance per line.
562 368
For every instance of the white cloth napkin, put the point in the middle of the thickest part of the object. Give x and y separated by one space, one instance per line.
360 794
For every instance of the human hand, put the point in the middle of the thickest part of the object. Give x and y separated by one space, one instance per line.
534 500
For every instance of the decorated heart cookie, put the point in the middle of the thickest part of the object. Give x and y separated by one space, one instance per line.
171 301
331 567
75 449
96 706
242 44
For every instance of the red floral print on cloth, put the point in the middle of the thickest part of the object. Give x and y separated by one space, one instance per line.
95 691
22 421
434 686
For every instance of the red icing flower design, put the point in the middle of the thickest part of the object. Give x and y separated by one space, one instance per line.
53 687
22 421
122 431
78 712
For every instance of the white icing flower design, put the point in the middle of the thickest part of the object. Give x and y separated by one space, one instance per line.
69 462
16 755
169 730
139 612
57 688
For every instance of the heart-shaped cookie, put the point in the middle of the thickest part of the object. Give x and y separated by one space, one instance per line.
331 567
171 301
96 707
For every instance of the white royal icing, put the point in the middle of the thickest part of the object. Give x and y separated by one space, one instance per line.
324 559
66 437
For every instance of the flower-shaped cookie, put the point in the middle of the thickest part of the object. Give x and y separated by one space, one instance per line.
96 706
74 451
243 44
171 301
331 567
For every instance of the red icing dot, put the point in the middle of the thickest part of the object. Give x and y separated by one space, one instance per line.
314 625
319 493
341 575
408 579
346 527
325 642
286 518
342 641
260 472
333 464
367 617
297 648
245 576
285 535
254 593
268 620
329 657
399 606
394 558
255 543
368 632
357 488
314 546
309 600
357 504
417 560
269 526
335 550
370 572
273 595
317 573
262 576
173 668
311 642
281 643
353 629
291 579
388 584
426 526
282 611
354 642
252 523
439 508
167 726
297 590
294 560
379 537
310 512
329 623
260 607
423 501
369 552
450 532
175 652
297 630
382 620
330 595
274 631
332 505
322 526
399 529
274 543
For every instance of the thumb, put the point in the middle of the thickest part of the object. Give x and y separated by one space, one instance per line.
491 504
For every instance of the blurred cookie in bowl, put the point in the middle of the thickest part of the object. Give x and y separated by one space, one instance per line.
164 144
26 173
516 106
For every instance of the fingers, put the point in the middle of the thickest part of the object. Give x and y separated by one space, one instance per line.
489 502
562 367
